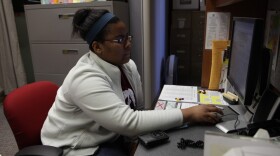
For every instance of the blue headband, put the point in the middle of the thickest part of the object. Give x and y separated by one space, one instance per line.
96 28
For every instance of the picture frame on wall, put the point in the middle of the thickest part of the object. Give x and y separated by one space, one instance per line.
186 4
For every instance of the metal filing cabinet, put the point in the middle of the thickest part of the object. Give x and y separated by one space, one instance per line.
186 42
54 51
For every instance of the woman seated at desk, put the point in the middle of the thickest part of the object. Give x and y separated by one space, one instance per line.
100 103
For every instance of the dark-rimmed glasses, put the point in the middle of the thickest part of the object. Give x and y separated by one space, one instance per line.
121 39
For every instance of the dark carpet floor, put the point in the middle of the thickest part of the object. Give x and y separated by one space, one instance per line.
8 146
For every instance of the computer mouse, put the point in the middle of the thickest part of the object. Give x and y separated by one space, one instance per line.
220 116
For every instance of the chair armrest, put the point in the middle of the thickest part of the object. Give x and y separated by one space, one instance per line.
40 150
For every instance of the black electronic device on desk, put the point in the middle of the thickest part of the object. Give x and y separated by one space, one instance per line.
153 139
272 127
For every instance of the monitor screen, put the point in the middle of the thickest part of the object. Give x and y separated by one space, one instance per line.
246 48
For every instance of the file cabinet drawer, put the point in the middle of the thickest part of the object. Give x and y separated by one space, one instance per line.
52 25
181 51
180 36
53 49
181 19
56 58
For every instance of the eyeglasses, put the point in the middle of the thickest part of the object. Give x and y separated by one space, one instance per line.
121 39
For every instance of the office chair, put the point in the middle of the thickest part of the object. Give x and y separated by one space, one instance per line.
171 70
26 109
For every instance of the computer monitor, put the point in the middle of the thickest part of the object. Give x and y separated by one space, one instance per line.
244 68
245 57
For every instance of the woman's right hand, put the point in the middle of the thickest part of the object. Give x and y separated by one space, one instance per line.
202 114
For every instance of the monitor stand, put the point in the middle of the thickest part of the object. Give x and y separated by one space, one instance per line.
235 125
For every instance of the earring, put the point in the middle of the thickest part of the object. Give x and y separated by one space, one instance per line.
99 51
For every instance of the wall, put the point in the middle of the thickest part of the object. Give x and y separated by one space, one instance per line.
275 74
24 45
148 28
274 5
237 8
159 44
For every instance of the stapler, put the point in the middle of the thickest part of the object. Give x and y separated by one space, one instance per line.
230 98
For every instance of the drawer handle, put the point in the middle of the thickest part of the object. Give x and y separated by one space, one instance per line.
181 51
181 67
70 51
66 16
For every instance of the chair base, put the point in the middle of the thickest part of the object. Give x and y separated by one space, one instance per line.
40 150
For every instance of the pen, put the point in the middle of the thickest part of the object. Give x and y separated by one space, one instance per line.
179 99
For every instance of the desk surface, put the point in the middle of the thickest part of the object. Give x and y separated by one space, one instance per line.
194 133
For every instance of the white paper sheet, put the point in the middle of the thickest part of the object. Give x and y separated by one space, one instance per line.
184 93
187 105
217 27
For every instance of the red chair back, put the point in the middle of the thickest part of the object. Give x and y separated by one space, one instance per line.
26 109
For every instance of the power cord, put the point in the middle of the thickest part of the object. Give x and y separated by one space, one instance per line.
249 110
236 120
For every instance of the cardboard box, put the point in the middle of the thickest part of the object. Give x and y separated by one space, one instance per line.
186 4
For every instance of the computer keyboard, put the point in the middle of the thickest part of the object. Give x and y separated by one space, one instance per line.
276 139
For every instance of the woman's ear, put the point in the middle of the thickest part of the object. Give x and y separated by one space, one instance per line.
96 47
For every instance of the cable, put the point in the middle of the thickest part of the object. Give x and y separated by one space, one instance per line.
249 110
190 143
236 123
236 120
